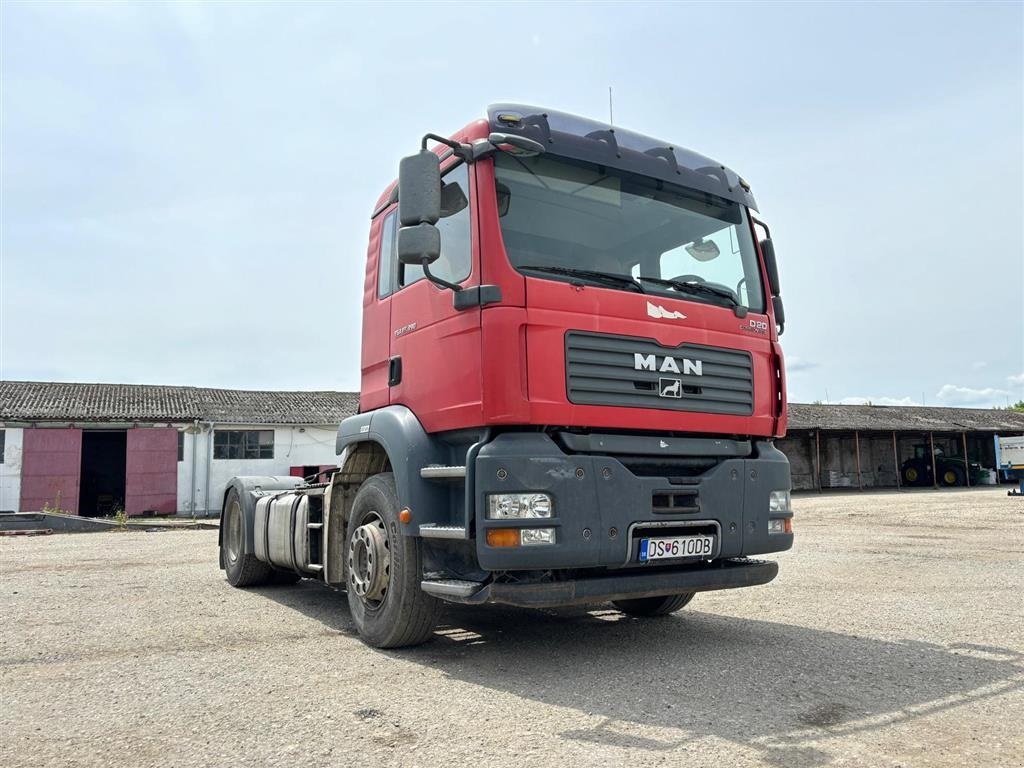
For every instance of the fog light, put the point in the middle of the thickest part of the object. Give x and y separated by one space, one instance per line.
780 525
529 537
779 501
518 506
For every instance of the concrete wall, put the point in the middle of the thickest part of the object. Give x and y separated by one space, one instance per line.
10 471
293 446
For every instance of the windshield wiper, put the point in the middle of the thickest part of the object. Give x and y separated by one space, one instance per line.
590 274
679 285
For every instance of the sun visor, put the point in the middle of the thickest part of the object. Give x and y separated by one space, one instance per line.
590 141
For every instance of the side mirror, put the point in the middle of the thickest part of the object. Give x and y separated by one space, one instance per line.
419 208
419 189
780 313
419 244
771 265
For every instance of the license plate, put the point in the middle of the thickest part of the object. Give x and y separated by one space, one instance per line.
676 546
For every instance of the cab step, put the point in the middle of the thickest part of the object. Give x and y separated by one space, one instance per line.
443 474
448 588
431 531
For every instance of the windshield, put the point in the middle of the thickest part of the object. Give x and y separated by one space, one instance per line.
567 215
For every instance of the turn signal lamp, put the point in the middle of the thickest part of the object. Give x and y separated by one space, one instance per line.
503 537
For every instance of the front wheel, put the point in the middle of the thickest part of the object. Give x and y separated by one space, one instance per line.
952 476
653 606
389 608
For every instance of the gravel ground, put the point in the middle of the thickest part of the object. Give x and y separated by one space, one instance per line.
892 637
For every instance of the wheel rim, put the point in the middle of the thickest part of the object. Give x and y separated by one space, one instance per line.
233 534
369 561
949 477
912 474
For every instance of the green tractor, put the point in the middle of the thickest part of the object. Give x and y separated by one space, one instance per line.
917 471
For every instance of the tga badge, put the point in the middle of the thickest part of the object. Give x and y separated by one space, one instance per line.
670 387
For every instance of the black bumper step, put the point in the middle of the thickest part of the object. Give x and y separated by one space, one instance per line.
728 574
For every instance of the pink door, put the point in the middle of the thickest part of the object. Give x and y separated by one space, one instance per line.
151 471
51 469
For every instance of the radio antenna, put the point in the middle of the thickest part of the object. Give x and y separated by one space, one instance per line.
611 116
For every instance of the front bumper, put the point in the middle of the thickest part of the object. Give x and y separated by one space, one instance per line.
601 508
727 574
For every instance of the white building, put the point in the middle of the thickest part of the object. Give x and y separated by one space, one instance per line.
91 449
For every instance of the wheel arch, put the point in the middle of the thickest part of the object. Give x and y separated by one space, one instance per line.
395 434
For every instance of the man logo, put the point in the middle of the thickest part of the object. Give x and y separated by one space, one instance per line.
670 387
668 365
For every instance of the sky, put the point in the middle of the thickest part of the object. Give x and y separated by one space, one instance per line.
186 188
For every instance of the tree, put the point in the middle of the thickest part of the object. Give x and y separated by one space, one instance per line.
1018 406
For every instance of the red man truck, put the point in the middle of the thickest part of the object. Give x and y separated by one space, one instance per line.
571 382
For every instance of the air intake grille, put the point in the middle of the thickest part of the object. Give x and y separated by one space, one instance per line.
616 370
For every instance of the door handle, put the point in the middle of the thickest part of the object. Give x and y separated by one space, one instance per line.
395 371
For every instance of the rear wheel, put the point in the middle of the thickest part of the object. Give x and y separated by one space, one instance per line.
653 606
385 568
242 569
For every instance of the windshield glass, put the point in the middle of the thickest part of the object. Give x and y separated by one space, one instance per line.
578 216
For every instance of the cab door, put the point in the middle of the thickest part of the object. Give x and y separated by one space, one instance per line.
374 391
434 367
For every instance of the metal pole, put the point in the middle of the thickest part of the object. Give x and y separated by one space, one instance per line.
967 466
817 458
896 458
935 476
856 442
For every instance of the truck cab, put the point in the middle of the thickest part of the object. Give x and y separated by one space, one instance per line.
571 380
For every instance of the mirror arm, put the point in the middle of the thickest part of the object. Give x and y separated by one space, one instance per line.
437 280
462 151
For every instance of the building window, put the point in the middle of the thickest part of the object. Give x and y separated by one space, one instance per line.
181 446
3 444
243 444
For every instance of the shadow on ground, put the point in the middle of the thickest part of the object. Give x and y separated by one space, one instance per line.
659 684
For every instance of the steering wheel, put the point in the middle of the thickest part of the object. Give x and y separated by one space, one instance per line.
688 279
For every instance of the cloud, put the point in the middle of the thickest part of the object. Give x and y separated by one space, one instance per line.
1016 379
798 364
951 394
979 365
878 401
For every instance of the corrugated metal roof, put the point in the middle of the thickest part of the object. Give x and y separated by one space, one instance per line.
886 418
62 401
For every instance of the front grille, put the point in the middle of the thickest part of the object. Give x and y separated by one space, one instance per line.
601 370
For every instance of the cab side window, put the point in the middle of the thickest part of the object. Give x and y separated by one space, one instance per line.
454 264
388 257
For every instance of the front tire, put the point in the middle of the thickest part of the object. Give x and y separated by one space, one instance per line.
242 569
385 568
653 606
952 477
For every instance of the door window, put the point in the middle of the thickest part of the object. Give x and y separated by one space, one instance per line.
454 262
387 258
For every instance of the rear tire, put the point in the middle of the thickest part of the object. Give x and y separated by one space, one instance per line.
385 568
242 568
653 606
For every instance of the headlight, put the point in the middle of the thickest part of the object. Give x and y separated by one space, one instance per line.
516 506
779 501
